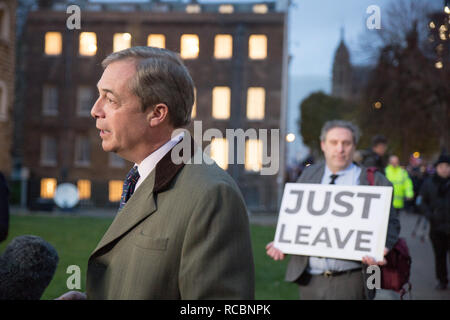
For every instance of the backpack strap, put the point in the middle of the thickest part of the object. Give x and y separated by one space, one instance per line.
371 175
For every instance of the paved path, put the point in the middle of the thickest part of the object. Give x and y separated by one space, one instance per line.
422 271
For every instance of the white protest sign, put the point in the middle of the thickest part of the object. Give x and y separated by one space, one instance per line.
333 221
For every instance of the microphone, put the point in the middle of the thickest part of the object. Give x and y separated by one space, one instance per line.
26 268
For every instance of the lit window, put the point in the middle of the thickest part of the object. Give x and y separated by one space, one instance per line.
48 187
48 151
260 8
223 46
193 8
53 43
3 101
219 152
88 44
121 41
84 189
194 107
156 40
115 190
257 46
226 8
256 97
82 152
253 155
221 97
189 46
85 100
115 161
50 100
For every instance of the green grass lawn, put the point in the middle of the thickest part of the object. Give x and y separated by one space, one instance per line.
76 237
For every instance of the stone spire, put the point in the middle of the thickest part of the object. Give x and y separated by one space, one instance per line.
342 70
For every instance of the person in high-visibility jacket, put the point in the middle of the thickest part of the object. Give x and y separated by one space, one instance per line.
403 186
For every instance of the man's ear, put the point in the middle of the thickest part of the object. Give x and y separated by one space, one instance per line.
322 143
158 115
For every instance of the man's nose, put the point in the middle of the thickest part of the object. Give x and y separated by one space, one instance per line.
97 109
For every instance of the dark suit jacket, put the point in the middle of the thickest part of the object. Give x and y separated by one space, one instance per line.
314 174
184 234
4 208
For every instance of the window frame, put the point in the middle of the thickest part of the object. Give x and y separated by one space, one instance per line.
82 163
45 160
3 101
53 110
5 28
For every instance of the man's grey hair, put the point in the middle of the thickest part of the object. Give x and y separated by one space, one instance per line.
340 124
161 77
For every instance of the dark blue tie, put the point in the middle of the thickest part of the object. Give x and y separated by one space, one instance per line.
333 178
128 186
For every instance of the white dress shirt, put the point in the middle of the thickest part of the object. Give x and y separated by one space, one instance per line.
149 163
348 176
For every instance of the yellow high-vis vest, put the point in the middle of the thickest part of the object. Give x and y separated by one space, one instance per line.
403 187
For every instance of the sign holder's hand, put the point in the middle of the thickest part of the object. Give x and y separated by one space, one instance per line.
274 253
371 261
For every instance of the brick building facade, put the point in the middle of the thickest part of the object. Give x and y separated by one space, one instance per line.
61 143
7 58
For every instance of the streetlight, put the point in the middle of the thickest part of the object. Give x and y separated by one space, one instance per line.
290 137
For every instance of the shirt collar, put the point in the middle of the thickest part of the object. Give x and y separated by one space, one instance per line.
149 163
341 173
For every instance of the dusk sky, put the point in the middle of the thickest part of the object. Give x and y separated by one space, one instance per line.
315 32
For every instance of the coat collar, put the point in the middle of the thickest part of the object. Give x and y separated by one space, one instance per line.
166 169
142 204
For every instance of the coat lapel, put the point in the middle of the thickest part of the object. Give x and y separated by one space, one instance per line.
317 178
142 203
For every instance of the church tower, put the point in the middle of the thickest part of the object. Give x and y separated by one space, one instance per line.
342 71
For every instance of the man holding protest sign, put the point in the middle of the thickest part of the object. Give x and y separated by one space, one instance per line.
336 278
